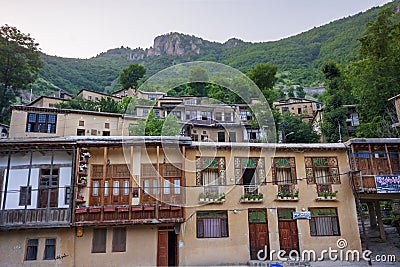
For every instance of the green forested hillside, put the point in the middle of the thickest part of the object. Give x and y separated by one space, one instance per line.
298 57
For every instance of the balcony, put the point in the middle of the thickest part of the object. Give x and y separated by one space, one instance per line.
35 218
141 214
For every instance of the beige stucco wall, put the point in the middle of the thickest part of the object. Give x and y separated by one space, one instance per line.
235 248
85 95
141 248
13 247
68 123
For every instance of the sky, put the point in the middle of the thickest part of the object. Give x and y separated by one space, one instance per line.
85 28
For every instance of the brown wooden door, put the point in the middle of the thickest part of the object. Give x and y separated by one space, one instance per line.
258 233
288 235
162 249
48 183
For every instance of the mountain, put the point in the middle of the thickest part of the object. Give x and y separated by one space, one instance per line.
298 57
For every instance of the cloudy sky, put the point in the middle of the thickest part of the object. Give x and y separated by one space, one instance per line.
84 28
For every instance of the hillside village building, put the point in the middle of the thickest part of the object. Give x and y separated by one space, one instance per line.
77 190
305 108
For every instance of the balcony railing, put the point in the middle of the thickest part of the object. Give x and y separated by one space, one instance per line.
145 214
35 218
251 189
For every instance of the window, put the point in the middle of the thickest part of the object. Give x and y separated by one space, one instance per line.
210 173
221 136
249 172
81 123
195 137
204 138
41 123
31 249
99 240
68 195
119 239
191 114
80 132
62 95
218 116
232 136
107 125
93 132
145 112
228 116
25 195
212 224
206 115
50 249
322 170
106 133
96 99
324 222
284 171
157 113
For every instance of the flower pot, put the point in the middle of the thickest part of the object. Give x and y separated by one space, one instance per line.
122 209
202 199
92 209
109 209
80 210
149 208
176 208
164 207
137 208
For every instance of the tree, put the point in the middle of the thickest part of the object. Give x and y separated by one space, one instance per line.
264 76
375 77
131 75
297 131
153 126
20 62
300 93
333 125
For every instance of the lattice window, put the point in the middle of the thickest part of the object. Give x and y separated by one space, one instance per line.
120 171
322 170
208 166
172 170
97 171
284 171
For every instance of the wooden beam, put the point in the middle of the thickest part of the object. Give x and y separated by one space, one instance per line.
105 153
389 159
371 159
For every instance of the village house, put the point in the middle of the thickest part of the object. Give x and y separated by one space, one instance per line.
305 108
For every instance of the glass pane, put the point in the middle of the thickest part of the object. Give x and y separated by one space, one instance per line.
155 187
52 118
126 187
106 184
320 162
116 188
96 186
42 118
31 117
177 187
257 216
166 187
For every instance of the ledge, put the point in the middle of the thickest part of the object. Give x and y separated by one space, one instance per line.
211 201
325 199
287 199
251 201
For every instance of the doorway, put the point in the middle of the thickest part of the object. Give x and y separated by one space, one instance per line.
249 181
167 251
258 233
48 184
288 234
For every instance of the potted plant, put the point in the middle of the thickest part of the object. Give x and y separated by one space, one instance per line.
83 180
201 197
164 206
247 197
109 208
287 195
222 197
81 210
137 208
280 194
260 196
123 208
208 197
333 195
296 194
324 195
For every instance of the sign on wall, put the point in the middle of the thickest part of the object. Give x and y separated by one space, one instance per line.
387 183
301 215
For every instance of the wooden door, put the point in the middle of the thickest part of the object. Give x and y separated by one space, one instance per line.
258 233
162 249
288 235
48 183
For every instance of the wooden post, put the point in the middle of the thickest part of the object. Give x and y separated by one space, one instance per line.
158 179
389 160
131 182
379 217
371 159
49 190
104 179
372 214
6 186
27 184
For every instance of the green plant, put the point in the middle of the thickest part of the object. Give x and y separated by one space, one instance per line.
222 196
201 196
260 196
324 194
280 194
296 194
287 194
247 196
333 194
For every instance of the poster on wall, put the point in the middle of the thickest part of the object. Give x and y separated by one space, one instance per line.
387 183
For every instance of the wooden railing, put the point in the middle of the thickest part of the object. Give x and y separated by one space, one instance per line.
128 215
35 218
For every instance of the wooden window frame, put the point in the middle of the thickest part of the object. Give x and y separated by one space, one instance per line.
332 217
31 246
24 198
291 167
204 164
332 166
99 243
119 239
48 253
223 223
41 127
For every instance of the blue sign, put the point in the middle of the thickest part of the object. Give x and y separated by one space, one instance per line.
387 183
301 215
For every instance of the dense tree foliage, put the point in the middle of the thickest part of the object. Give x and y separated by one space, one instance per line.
294 130
299 57
337 94
19 64
264 76
131 75
153 126
103 105
375 77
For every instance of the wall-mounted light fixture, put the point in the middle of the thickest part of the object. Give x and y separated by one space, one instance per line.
79 231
